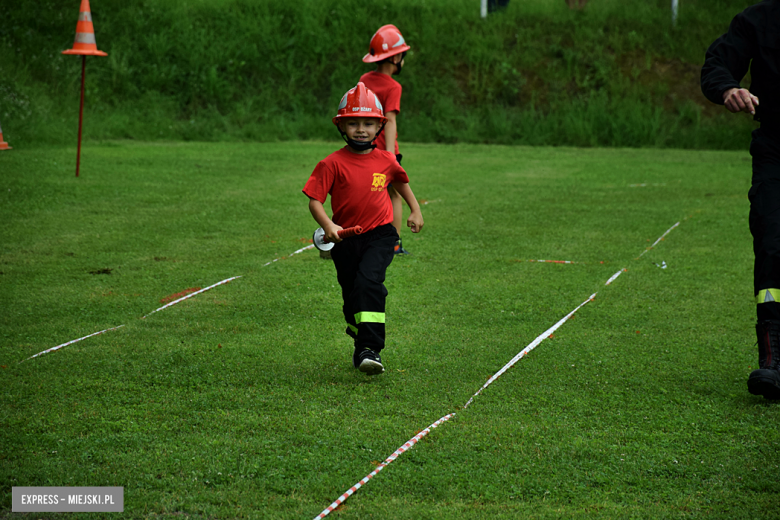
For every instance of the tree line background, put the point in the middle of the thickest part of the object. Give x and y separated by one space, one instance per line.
614 73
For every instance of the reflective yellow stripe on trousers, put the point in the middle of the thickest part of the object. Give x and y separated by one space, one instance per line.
768 295
369 317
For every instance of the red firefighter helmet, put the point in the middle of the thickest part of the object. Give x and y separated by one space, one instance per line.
360 102
387 41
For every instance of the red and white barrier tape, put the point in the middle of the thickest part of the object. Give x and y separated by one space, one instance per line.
562 262
411 442
556 261
301 250
544 335
174 302
614 276
71 342
164 306
447 417
659 239
228 280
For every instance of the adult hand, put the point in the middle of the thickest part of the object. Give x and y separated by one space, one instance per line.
740 100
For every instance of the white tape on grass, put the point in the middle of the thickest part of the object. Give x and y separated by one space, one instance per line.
71 342
174 302
301 250
535 343
447 417
614 276
544 335
411 442
557 261
226 281
114 328
659 239
161 308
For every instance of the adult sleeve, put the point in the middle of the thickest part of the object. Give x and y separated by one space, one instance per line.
320 182
728 59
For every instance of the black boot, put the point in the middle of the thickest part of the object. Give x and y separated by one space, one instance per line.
766 380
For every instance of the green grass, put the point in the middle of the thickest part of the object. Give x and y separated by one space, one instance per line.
242 403
616 74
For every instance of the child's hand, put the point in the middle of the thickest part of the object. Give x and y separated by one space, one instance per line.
415 221
332 233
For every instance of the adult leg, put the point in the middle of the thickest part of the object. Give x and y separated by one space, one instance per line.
765 227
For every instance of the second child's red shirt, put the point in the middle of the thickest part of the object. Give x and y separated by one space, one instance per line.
389 92
357 184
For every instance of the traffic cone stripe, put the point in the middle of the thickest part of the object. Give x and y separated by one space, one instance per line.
85 16
85 38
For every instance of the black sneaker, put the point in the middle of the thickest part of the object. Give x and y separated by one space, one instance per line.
766 382
367 361
399 249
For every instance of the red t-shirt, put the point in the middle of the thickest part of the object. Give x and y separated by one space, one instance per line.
357 184
388 91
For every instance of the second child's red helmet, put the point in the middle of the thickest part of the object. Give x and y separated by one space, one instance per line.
387 41
360 102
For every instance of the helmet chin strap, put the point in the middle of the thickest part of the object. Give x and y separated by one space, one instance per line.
361 146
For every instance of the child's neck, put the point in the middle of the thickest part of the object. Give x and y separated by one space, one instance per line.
386 68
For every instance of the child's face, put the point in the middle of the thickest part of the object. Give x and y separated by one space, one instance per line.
361 129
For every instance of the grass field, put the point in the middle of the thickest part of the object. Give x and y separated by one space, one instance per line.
615 74
241 402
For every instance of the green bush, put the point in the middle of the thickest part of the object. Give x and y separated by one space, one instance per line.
615 74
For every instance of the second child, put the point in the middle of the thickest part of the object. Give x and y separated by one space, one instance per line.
388 49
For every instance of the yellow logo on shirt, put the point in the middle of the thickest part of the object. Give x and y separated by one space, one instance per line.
379 182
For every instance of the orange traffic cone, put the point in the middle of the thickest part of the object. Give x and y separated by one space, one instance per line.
3 144
84 46
85 34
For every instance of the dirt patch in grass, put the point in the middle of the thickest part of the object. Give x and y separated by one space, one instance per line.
178 295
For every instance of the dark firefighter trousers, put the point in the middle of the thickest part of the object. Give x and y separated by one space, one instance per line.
361 262
764 221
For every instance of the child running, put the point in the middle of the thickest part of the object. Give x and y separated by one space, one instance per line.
388 49
356 177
